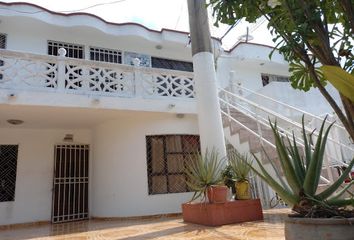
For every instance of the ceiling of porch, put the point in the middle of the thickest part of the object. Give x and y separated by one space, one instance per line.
57 117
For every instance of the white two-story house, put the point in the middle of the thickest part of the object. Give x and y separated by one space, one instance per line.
98 119
102 128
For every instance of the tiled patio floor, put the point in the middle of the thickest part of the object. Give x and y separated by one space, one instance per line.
162 228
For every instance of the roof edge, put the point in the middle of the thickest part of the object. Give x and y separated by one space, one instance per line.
98 18
250 43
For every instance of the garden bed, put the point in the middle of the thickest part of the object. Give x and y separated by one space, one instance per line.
216 214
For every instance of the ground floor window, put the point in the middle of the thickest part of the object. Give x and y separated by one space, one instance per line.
2 40
8 167
167 156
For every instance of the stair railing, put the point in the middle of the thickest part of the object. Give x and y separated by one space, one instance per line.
237 102
337 128
241 88
230 101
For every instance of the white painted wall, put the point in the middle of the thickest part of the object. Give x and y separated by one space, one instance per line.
33 194
311 101
26 34
248 71
120 182
249 61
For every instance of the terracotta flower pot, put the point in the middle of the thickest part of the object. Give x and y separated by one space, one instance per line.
242 190
319 228
217 194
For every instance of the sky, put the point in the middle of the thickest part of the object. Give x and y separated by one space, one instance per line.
154 14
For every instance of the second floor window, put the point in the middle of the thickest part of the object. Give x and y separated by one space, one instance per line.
72 50
171 64
105 55
267 78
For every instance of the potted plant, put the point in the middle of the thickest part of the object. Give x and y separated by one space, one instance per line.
240 165
204 177
229 179
318 215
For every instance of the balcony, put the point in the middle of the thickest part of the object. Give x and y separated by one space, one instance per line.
68 82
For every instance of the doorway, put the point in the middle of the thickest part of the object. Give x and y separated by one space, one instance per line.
70 185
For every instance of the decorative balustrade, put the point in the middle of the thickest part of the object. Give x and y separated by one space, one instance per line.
27 71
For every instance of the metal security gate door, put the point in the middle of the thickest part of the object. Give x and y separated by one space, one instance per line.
70 190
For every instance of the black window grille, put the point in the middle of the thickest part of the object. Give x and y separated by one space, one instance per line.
167 156
8 167
267 78
3 39
105 55
72 50
171 64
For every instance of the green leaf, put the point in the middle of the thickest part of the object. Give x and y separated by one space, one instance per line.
340 79
334 186
296 159
313 173
301 77
285 160
342 191
307 144
277 173
341 202
288 196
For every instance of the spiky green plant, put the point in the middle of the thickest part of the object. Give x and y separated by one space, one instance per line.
240 164
302 174
204 171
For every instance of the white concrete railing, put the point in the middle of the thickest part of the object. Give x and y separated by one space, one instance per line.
26 71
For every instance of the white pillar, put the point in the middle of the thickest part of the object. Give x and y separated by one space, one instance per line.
209 115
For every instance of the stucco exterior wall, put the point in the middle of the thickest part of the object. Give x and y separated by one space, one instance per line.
25 34
249 61
34 181
120 182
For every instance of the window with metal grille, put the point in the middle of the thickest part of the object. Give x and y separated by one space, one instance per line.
2 46
72 50
171 64
167 156
105 55
267 78
8 166
2 40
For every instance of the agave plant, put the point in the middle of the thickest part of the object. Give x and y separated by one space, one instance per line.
302 174
240 164
203 172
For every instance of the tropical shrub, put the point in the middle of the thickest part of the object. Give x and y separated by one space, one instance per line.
299 187
203 172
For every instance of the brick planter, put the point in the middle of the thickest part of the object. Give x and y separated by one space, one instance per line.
216 214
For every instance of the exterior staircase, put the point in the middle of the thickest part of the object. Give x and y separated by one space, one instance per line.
247 129
255 144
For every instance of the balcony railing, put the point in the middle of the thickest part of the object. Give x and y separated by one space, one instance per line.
25 71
